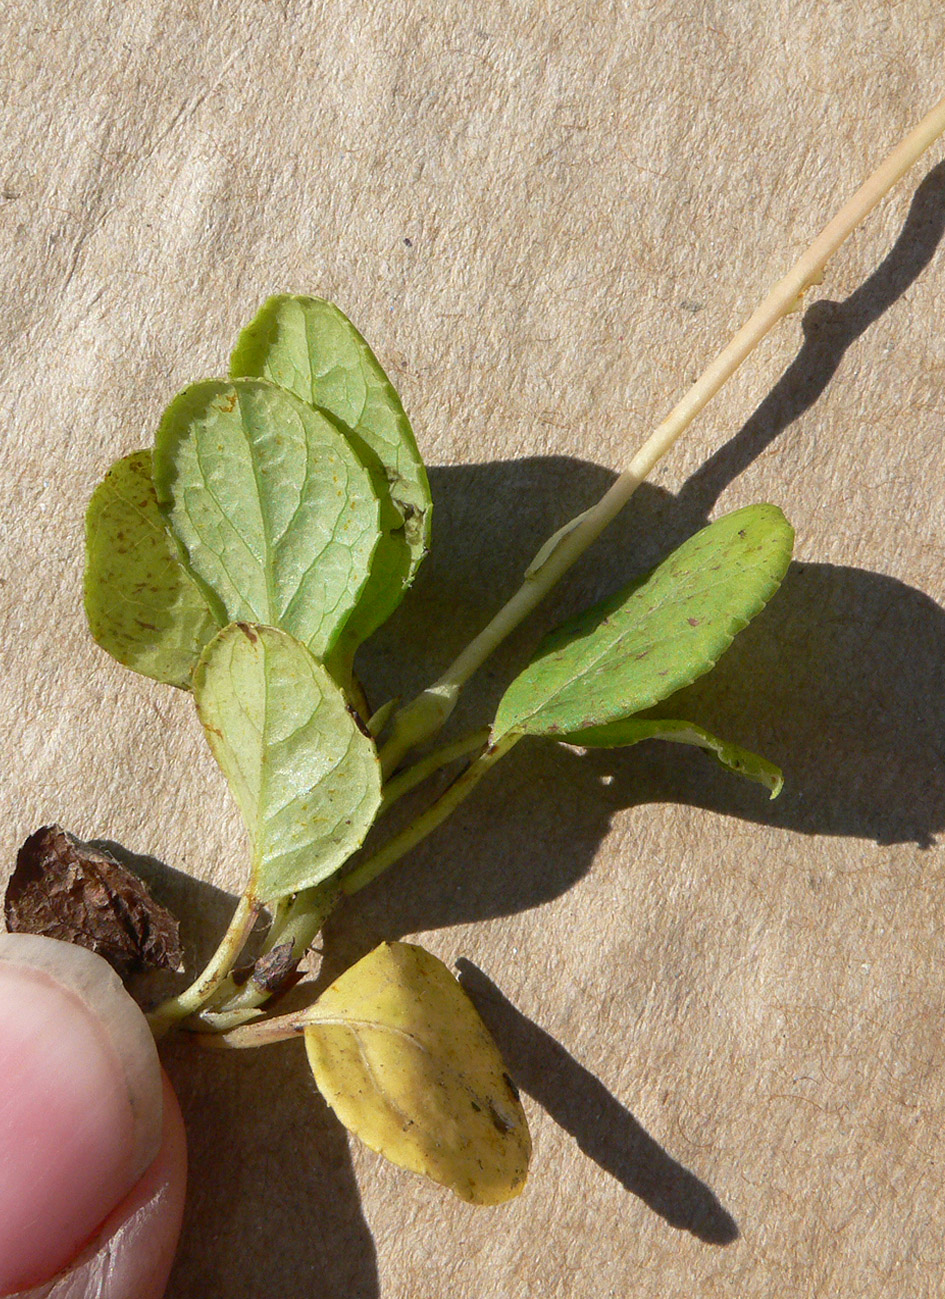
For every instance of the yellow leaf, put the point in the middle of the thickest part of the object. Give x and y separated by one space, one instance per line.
399 1052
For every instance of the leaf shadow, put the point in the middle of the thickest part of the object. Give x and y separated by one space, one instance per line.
840 681
603 1128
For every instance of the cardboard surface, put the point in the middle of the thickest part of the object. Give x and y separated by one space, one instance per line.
726 1015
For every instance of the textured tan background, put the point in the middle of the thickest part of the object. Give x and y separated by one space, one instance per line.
727 1015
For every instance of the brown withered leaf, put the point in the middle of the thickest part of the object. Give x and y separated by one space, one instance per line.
273 972
63 888
273 969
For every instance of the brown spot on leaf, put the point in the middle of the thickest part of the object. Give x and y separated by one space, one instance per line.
63 888
693 622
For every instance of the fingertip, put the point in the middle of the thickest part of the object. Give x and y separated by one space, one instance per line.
80 1108
131 1255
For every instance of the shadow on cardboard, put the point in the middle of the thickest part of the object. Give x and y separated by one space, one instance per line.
840 681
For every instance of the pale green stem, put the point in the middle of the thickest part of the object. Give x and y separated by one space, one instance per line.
214 974
303 917
425 714
435 815
280 909
297 922
300 921
433 762
379 720
209 1021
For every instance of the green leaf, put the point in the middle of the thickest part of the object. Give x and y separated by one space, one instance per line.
142 605
399 1052
310 348
656 635
272 508
305 776
632 730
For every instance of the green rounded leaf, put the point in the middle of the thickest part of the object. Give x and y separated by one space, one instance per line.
310 348
305 776
632 730
656 635
142 605
399 1052
273 510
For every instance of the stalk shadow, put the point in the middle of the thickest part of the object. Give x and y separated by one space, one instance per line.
829 329
603 1128
489 520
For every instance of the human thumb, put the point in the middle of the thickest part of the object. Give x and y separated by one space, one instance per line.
92 1159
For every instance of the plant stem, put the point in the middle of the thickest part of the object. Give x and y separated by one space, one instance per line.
303 917
420 771
263 1033
436 813
280 912
425 714
266 1032
297 922
215 972
300 920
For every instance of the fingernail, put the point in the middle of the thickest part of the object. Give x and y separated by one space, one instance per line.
80 1103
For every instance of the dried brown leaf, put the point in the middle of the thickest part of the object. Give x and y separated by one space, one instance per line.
273 969
63 888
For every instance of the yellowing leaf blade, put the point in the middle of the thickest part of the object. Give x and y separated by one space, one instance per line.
399 1052
142 605
634 730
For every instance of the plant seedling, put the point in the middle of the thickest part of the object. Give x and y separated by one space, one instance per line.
277 521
